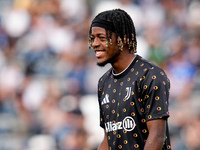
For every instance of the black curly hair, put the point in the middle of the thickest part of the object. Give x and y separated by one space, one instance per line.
123 27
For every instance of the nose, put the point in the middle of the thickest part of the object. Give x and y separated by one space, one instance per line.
95 43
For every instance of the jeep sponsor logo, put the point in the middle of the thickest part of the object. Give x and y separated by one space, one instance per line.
127 124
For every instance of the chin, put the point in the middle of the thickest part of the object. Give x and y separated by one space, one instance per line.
102 64
108 61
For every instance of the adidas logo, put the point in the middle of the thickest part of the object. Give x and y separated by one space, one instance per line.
105 100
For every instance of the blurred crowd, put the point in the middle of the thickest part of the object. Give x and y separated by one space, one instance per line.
48 75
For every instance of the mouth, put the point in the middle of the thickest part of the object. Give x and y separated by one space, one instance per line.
99 53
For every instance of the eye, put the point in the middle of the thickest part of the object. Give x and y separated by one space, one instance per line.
102 38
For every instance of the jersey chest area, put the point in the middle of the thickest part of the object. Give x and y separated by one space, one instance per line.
120 98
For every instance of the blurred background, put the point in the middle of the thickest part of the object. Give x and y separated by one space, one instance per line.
48 76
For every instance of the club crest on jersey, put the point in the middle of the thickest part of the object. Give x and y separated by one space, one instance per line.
127 124
128 94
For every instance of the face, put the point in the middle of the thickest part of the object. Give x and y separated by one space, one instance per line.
105 54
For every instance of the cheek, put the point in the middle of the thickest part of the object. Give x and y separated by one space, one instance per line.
113 46
113 52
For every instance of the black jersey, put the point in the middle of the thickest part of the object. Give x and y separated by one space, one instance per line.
129 99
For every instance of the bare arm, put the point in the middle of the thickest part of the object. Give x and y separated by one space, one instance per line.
156 136
104 144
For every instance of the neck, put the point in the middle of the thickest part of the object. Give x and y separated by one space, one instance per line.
123 63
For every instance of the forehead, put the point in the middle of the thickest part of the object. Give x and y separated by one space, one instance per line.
98 30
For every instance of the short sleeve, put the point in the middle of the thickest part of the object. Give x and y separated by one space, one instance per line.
100 87
155 92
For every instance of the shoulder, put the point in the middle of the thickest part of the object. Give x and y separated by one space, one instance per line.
152 72
150 68
157 76
105 76
145 63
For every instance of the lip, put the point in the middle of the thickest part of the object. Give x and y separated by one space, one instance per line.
99 53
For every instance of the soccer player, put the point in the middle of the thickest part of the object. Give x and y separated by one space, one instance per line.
133 94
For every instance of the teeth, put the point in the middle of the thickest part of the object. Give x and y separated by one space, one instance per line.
98 53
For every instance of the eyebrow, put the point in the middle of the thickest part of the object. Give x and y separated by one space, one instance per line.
99 34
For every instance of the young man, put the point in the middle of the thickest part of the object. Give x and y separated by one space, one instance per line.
133 94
